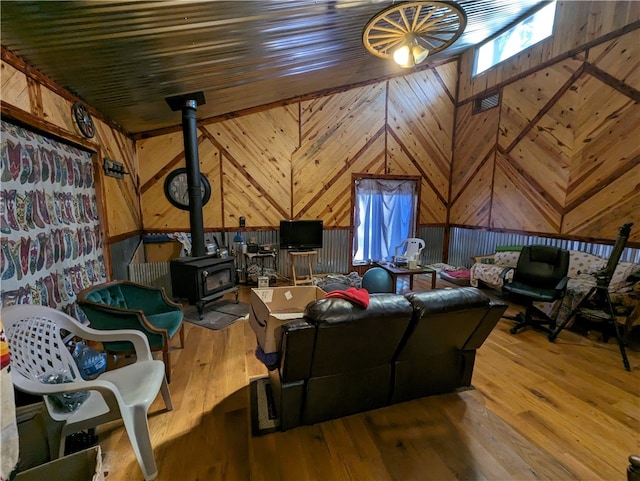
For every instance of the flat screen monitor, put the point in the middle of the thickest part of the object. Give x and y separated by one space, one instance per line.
300 235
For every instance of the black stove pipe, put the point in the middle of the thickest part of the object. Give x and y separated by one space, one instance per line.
193 177
189 104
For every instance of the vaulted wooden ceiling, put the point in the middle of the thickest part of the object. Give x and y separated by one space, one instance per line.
125 57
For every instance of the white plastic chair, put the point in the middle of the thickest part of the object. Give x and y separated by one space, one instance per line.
36 347
408 250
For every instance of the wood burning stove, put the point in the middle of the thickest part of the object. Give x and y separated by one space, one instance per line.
200 278
203 279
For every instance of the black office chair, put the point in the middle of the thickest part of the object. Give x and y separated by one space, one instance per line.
539 276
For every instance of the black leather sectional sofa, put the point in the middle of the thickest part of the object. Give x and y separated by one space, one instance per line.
342 359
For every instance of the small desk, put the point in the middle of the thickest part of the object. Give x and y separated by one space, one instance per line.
400 271
260 256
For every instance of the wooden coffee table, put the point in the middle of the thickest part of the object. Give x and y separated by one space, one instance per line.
401 271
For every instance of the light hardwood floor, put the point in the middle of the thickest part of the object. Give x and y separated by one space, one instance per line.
556 411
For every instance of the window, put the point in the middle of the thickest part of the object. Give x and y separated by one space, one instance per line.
531 30
385 213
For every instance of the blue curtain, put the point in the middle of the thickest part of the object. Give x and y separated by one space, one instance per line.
385 215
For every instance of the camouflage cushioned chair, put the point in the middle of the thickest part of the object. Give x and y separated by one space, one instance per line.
127 305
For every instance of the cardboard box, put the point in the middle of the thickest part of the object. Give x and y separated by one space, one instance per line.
272 307
32 435
81 466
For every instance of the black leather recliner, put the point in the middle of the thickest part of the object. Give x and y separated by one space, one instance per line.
438 352
338 360
342 359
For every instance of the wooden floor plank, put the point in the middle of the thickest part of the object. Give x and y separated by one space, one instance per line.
539 410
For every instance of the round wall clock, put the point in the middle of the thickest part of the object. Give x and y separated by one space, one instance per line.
176 188
83 120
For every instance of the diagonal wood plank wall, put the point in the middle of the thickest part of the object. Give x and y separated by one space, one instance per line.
296 161
560 155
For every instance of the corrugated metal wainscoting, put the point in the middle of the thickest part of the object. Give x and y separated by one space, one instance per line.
154 274
466 243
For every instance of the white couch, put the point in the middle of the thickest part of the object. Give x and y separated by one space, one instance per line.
582 266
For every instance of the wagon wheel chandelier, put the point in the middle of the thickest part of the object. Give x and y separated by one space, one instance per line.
410 31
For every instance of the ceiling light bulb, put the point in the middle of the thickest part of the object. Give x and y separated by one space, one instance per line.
419 53
401 56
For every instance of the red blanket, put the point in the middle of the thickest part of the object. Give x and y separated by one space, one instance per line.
356 296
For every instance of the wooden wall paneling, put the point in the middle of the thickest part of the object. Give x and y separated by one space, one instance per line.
256 165
620 58
123 205
448 76
420 115
245 196
518 204
465 74
475 139
160 154
432 206
524 99
210 167
544 155
35 98
602 192
473 204
578 23
602 213
473 164
333 203
57 110
338 137
570 21
606 129
14 86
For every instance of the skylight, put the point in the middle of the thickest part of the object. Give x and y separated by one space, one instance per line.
528 32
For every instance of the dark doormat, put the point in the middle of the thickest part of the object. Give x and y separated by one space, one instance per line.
217 315
264 419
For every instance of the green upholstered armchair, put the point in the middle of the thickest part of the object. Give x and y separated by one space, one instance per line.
127 305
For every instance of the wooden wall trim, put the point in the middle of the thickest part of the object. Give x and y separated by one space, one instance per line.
39 125
417 165
345 168
128 235
627 167
613 82
225 155
471 178
544 110
34 74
